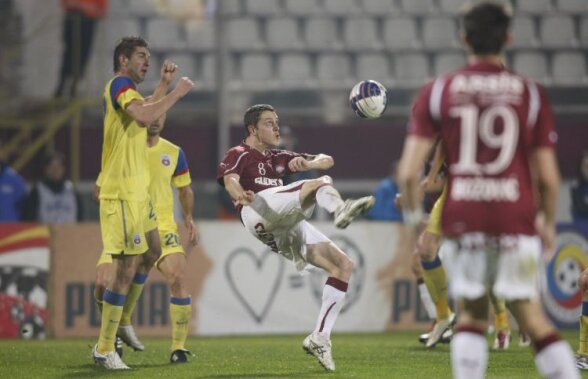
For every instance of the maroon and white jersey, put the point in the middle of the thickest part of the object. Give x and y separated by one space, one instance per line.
490 120
257 171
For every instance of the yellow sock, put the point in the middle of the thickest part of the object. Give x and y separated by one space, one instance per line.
583 348
111 312
500 314
180 310
436 281
133 295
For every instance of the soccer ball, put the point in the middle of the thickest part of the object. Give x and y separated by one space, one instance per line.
368 99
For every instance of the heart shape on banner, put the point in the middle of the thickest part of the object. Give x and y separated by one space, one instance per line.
248 273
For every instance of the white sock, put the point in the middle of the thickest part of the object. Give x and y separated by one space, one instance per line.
427 301
469 355
333 295
556 361
328 197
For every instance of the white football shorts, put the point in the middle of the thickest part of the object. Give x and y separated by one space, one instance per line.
507 265
277 219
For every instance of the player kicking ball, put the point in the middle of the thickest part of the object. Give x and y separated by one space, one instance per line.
277 215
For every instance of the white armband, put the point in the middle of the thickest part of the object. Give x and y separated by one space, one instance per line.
413 217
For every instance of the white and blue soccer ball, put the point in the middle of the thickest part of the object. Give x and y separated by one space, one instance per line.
368 99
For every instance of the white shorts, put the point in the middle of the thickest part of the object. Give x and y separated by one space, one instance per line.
507 265
277 219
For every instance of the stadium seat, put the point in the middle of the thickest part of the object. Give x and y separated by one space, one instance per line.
256 68
534 6
531 64
283 34
200 35
557 31
207 70
115 28
361 33
244 34
232 7
417 6
584 31
141 8
400 33
334 68
165 34
572 6
372 66
321 33
439 33
342 7
294 68
302 7
185 62
451 7
379 7
523 32
447 62
411 69
262 7
569 68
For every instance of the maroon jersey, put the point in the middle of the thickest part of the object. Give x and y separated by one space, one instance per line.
257 171
490 120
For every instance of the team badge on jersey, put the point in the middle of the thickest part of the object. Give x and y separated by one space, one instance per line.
279 169
137 239
165 160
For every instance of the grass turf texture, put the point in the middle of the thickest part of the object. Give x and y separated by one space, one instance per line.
391 355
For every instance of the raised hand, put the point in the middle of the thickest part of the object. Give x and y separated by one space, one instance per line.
168 71
184 86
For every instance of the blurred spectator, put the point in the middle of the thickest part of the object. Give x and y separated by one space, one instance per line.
53 200
79 24
385 208
580 191
13 191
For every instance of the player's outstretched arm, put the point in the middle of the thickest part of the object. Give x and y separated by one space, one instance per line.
548 177
318 162
236 191
146 113
186 196
412 161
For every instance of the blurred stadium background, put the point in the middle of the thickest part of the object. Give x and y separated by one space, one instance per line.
302 56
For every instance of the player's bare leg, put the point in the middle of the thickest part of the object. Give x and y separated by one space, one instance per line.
322 192
126 331
172 268
553 356
339 268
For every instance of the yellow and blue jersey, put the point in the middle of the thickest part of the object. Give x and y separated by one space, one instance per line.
168 167
124 174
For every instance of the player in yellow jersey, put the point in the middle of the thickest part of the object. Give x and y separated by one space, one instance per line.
127 221
167 167
427 249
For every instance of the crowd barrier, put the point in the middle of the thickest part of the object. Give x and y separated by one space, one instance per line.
237 285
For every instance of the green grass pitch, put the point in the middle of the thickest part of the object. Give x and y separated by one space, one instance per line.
386 355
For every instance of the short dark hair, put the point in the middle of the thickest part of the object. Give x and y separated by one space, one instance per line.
485 26
253 113
126 46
